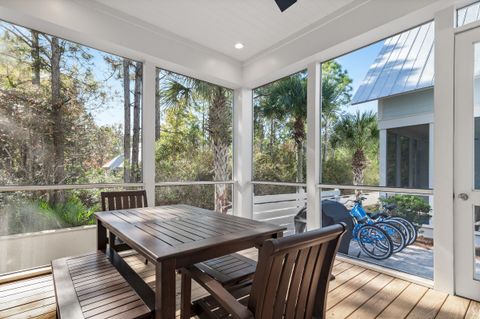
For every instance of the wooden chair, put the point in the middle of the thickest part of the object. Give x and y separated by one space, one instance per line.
291 280
123 200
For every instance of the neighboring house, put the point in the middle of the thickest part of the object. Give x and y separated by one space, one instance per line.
115 164
401 81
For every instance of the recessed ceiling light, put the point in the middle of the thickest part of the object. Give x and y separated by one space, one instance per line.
239 46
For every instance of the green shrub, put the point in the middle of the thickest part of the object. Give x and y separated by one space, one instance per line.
19 215
72 213
411 207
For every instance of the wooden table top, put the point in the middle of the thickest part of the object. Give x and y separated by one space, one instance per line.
182 231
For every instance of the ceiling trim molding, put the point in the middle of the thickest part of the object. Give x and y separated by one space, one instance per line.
336 15
295 55
75 21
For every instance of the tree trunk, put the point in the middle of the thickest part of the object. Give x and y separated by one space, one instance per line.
157 106
359 164
221 174
325 140
219 127
33 140
36 63
272 136
299 162
136 121
126 112
299 138
57 120
259 126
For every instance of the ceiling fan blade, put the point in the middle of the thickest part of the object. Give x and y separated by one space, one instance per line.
285 4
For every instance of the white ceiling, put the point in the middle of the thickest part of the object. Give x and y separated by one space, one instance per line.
219 24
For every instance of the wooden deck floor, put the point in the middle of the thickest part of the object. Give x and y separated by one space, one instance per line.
355 293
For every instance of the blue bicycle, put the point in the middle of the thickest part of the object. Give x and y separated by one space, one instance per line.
388 215
377 239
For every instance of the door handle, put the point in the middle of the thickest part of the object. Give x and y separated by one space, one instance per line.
463 196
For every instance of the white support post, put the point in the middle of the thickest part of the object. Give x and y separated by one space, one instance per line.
383 157
314 110
148 122
443 151
242 153
431 154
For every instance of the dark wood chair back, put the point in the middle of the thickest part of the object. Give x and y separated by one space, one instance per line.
292 276
123 200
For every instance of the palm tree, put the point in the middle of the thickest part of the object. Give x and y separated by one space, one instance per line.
183 93
286 101
359 133
336 92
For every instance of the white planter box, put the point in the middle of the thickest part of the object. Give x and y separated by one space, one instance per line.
25 251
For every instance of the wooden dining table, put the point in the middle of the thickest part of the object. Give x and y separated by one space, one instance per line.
173 237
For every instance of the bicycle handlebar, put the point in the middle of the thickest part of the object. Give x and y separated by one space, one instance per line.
356 200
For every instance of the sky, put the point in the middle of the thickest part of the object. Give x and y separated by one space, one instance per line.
112 112
357 64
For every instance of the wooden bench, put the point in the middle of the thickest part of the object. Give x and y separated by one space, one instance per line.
89 286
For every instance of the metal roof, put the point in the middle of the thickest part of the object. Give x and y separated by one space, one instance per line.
115 163
405 63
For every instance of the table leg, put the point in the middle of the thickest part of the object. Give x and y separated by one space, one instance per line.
165 290
111 243
186 298
101 237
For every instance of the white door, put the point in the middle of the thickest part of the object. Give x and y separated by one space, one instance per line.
467 164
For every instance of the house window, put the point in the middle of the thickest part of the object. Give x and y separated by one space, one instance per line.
70 127
70 114
280 115
363 102
376 134
468 14
279 150
408 156
193 142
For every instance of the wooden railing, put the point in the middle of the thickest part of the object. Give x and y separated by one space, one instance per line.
280 209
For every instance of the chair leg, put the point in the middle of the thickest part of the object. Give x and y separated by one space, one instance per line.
185 300
146 261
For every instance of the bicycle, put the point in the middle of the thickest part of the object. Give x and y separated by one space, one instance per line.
373 240
393 229
410 231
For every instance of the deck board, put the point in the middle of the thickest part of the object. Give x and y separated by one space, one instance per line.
356 293
473 310
404 303
429 306
453 308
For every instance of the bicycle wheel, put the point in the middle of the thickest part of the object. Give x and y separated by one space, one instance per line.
412 230
395 233
402 227
369 236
